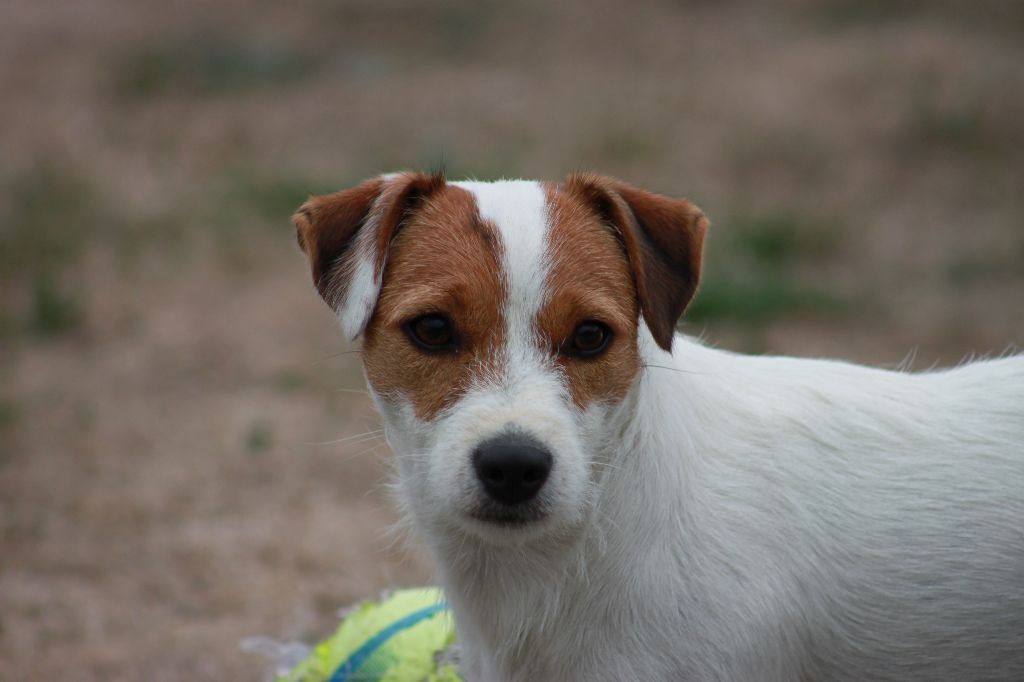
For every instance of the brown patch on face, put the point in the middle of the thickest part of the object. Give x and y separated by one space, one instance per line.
590 279
663 238
444 260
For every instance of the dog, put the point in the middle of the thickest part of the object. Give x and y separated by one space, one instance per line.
607 499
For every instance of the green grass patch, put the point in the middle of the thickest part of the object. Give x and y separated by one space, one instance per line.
994 16
960 119
462 26
848 13
210 65
271 200
623 146
758 270
54 311
241 205
757 155
780 238
10 412
959 127
48 216
969 269
8 321
259 438
757 300
290 380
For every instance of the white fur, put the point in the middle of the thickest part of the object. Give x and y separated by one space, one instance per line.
733 518
355 304
519 211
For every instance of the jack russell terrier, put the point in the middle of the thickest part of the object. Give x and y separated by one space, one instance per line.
606 499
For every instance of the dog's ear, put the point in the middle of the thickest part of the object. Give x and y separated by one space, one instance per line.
663 239
346 237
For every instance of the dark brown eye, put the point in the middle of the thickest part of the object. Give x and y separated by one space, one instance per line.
431 332
590 339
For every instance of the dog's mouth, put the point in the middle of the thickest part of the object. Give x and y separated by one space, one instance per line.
509 516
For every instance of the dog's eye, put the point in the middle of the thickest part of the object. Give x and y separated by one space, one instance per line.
431 332
590 339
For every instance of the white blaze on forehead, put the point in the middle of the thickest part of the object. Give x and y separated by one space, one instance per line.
518 208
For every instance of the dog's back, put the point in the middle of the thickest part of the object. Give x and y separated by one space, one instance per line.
872 521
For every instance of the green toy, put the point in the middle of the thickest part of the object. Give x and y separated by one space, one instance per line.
404 637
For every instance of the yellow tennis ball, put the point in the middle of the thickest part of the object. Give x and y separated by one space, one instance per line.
400 638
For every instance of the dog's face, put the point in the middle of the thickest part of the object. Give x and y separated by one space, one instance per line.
501 325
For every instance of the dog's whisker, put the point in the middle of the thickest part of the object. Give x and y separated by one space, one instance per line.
607 518
671 369
606 465
332 356
354 391
372 449
376 433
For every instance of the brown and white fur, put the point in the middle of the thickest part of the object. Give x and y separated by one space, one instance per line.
705 515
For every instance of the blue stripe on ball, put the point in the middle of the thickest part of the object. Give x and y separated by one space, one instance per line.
349 666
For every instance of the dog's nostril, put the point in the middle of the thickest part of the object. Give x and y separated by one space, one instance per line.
512 468
492 475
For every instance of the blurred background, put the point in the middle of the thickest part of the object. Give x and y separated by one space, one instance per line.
187 456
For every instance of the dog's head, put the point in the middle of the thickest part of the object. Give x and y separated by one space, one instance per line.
503 323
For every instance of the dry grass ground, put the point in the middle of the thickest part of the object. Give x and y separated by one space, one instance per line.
171 391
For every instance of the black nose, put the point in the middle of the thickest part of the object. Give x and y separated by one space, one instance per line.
512 468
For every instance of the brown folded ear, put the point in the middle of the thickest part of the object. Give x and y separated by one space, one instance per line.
663 239
346 235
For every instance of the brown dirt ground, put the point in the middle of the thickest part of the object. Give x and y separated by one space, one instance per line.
172 393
